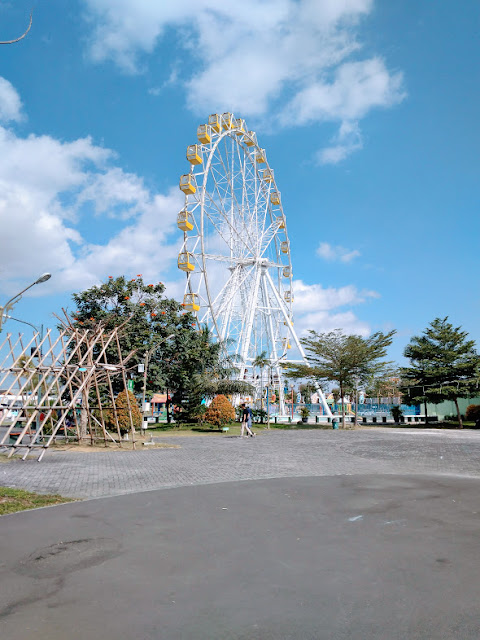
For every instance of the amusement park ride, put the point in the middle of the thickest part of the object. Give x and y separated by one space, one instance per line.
236 250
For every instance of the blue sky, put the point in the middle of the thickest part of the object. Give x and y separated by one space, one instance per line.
368 112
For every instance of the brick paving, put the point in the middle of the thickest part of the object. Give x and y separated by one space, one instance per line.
273 454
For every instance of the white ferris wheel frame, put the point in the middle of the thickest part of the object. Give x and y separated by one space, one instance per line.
253 231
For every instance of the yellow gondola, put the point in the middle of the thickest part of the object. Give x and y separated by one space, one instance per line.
267 175
280 222
215 122
287 272
250 138
275 197
240 125
188 184
185 261
194 154
288 296
227 120
204 133
284 246
261 156
191 302
185 220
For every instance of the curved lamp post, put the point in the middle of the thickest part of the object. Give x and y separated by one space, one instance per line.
9 305
145 367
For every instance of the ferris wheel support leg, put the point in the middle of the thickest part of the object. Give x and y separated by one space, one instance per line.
281 394
249 324
297 341
274 354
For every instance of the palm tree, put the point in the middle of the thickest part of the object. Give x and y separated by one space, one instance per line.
261 361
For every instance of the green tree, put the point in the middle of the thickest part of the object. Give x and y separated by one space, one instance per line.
202 369
150 316
173 363
444 365
337 357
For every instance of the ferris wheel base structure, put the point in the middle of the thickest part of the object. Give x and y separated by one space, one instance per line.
236 250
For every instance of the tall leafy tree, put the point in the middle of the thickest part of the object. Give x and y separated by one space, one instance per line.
340 358
151 318
211 372
260 362
444 365
179 351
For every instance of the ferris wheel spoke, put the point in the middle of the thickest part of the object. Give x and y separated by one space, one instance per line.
231 287
218 228
246 230
224 220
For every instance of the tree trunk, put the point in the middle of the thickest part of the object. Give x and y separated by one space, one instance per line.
356 406
343 407
426 413
460 423
83 424
167 407
84 415
261 392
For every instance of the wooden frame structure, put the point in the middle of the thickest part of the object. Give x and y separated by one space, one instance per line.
61 388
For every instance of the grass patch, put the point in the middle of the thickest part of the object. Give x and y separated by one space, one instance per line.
12 500
293 426
234 429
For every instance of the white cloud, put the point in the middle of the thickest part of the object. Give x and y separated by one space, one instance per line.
314 308
323 322
333 253
345 142
356 88
291 58
48 191
10 103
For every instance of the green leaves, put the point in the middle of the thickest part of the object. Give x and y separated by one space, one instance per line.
337 357
444 365
344 359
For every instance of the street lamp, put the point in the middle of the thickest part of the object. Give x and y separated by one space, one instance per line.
9 305
145 367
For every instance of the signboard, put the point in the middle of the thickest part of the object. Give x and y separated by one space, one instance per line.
130 385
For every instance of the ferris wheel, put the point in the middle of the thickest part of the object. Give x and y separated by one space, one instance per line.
236 250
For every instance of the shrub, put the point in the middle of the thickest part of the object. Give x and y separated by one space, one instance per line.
304 412
260 413
121 405
220 411
473 412
397 413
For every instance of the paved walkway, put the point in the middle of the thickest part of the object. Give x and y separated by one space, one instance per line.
273 454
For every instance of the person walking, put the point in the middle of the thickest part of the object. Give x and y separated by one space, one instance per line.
247 421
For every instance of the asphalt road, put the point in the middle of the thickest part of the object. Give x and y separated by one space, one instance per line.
364 557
